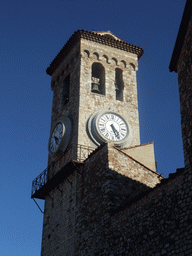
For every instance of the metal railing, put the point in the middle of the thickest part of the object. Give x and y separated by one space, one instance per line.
74 152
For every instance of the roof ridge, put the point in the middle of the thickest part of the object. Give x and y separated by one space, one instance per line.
138 145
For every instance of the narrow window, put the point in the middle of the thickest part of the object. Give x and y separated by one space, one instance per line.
98 78
66 85
119 85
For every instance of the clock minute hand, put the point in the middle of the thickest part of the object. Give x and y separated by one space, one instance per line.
115 131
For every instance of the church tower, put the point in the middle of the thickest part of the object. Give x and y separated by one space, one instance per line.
94 78
94 111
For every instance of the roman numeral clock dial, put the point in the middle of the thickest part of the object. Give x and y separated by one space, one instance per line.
112 127
109 126
60 136
56 137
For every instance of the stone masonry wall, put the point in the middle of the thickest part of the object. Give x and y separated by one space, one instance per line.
159 223
104 186
90 102
92 202
127 177
79 207
59 217
88 213
70 65
59 220
185 90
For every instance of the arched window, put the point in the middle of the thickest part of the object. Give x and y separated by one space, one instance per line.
98 78
66 85
119 85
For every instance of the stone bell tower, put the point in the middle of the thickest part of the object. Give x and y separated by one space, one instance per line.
94 110
95 71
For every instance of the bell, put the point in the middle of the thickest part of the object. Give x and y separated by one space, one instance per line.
116 87
95 88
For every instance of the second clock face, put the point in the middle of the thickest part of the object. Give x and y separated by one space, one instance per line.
60 136
56 137
112 127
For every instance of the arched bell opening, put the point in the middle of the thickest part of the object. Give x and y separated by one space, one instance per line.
98 78
66 86
119 84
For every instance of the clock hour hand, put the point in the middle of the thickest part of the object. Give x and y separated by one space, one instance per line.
115 131
56 139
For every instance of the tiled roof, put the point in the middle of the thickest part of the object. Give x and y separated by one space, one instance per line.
105 38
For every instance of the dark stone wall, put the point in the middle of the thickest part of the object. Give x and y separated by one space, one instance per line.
185 90
157 223
96 211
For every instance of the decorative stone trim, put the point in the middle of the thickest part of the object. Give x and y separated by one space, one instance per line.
109 60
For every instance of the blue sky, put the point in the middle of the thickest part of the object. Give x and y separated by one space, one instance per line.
32 33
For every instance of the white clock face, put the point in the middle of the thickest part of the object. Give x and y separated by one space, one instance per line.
112 127
106 125
56 137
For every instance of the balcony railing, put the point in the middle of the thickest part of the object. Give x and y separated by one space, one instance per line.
74 152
